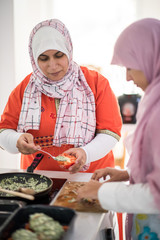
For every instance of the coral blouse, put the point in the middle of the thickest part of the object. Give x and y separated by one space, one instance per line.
108 120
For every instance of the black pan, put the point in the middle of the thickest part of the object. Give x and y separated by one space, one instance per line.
21 176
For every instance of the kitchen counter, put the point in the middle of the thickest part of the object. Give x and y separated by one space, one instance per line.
87 226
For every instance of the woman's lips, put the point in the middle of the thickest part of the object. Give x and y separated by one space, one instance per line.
54 74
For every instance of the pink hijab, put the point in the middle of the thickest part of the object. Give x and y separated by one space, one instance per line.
138 47
76 121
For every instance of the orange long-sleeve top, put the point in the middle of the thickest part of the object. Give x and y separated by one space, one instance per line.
108 120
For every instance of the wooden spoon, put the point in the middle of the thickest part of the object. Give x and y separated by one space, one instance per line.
29 191
18 194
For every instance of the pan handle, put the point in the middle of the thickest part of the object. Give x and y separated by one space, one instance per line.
35 162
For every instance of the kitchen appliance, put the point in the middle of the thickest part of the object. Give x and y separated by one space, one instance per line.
128 107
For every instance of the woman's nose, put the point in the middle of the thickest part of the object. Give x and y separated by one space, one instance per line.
52 63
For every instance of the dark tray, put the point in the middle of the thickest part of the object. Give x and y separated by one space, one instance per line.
7 207
17 220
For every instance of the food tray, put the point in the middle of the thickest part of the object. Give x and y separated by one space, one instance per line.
67 197
17 220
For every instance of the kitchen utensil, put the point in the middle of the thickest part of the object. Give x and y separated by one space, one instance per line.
64 163
35 162
18 194
48 154
29 191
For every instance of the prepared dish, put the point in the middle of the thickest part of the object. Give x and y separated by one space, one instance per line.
39 227
65 160
24 234
15 183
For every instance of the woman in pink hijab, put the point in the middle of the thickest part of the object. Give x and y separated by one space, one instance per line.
137 49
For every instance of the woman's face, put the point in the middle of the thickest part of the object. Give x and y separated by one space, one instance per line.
53 64
137 77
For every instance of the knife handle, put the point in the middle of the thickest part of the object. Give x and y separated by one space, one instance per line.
35 162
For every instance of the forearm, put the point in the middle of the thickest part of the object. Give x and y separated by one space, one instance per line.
99 147
8 140
133 198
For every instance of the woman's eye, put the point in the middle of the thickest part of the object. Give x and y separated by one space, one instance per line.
42 58
59 54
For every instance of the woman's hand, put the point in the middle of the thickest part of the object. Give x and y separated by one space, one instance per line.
113 173
80 155
25 144
90 190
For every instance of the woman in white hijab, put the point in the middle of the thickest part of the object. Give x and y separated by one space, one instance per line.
61 107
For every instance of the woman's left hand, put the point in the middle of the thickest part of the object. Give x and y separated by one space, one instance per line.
89 190
80 155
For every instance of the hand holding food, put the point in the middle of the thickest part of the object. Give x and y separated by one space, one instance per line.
80 161
25 144
113 173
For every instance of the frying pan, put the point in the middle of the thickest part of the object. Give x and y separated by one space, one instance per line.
24 175
27 175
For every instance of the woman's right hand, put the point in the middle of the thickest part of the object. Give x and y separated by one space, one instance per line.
113 173
25 144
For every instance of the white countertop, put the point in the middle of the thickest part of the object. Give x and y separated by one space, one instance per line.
87 226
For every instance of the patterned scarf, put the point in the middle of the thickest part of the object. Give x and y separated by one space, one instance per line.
76 122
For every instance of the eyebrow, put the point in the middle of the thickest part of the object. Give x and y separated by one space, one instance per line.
42 55
47 55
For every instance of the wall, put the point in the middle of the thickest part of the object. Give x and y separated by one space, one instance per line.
7 69
148 8
27 14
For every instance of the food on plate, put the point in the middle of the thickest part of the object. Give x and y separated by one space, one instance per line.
65 160
39 227
15 183
24 234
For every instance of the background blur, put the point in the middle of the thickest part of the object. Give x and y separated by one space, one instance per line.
94 26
